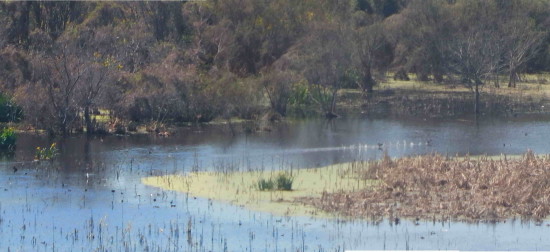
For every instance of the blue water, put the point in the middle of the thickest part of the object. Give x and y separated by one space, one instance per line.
91 198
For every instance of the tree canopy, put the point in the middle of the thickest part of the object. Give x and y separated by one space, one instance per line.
194 61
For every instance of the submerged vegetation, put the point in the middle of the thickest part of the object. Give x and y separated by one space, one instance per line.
7 139
428 187
9 111
245 188
46 153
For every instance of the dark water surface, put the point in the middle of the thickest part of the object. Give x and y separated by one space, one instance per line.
91 198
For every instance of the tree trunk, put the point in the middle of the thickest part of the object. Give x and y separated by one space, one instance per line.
88 121
512 81
476 105
369 82
497 80
332 110
438 78
62 126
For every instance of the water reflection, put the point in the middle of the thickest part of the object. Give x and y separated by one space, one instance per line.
298 144
99 178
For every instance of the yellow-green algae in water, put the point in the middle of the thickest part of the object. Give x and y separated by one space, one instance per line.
240 188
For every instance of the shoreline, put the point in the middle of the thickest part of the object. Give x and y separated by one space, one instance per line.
339 191
240 188
390 99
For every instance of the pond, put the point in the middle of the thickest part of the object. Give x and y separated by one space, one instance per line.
92 199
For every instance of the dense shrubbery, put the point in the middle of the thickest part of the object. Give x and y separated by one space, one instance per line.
300 102
172 62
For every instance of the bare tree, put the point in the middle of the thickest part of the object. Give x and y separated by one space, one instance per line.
522 42
470 56
59 75
92 85
72 85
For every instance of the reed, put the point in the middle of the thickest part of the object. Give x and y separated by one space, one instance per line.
438 187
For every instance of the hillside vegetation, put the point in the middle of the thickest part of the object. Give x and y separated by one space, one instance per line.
89 66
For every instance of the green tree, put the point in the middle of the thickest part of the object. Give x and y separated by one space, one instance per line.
371 46
327 58
418 35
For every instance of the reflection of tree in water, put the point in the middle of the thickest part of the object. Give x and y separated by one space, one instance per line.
77 164
7 155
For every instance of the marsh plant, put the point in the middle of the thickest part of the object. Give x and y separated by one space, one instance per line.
265 184
282 182
7 139
436 186
46 153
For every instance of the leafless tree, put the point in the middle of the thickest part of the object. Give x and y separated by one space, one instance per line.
471 57
522 42
59 75
91 88
72 84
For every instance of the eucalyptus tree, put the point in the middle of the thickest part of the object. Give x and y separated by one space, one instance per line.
418 35
327 57
370 44
473 53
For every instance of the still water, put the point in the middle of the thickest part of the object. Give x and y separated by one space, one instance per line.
91 198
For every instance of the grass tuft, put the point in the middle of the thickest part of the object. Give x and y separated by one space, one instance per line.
265 184
282 182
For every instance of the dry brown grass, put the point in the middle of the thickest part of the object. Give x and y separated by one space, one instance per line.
436 187
450 99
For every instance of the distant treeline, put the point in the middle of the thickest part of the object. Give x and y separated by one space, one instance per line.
170 62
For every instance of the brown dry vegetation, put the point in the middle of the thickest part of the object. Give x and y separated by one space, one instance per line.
437 187
172 63
452 100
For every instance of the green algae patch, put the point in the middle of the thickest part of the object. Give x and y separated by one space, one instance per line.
241 188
